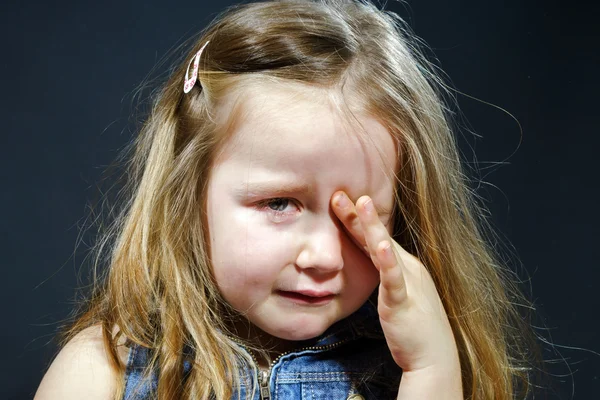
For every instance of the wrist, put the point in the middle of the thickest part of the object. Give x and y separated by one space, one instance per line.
435 382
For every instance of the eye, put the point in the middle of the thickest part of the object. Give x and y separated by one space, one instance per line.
278 208
278 204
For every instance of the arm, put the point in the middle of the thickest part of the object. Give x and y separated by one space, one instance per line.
81 370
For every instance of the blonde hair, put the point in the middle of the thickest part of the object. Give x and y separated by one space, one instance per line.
158 289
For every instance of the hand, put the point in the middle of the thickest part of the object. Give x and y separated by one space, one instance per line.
411 312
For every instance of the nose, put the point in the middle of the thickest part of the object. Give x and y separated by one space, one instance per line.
321 249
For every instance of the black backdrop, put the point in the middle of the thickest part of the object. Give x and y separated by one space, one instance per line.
69 74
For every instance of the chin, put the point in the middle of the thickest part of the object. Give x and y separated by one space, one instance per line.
299 330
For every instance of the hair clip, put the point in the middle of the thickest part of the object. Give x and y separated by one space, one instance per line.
189 83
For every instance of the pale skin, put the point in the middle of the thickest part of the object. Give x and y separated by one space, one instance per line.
304 247
412 316
82 370
415 324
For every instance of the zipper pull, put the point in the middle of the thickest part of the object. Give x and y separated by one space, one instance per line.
265 391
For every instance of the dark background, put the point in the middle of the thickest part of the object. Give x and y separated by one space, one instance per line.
70 72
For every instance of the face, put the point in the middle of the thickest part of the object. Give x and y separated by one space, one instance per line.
279 254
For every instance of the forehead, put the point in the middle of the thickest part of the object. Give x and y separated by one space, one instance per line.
301 131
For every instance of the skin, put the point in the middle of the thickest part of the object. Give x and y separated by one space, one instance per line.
412 316
333 235
82 370
273 232
323 239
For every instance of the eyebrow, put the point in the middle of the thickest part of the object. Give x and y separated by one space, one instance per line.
254 189
249 190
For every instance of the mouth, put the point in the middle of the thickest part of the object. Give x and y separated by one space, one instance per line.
307 297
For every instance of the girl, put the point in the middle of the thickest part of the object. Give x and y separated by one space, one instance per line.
299 226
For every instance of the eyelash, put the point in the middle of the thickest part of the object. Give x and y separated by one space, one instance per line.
275 214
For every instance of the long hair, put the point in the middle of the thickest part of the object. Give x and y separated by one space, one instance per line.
158 288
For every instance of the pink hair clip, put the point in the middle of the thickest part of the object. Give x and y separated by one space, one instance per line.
191 81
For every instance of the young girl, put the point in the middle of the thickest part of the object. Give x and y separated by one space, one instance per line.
299 226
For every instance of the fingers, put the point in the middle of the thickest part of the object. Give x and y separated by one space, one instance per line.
363 224
344 209
374 231
361 221
391 270
385 252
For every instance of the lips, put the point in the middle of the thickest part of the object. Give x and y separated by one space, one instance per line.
307 297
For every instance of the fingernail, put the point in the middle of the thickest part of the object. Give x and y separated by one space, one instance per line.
387 248
341 200
368 206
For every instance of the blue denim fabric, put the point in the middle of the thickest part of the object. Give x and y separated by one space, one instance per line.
351 357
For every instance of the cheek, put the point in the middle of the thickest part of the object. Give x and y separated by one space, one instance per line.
247 253
361 275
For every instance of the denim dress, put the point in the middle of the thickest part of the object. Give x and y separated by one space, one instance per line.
350 360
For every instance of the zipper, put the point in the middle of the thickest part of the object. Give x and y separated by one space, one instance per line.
264 376
265 390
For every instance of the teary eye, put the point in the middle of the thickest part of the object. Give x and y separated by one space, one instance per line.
278 204
279 209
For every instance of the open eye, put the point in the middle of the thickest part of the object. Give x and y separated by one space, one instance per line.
278 204
278 208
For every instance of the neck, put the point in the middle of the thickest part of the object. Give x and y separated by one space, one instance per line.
256 338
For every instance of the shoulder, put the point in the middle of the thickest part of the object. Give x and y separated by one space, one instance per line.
82 369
